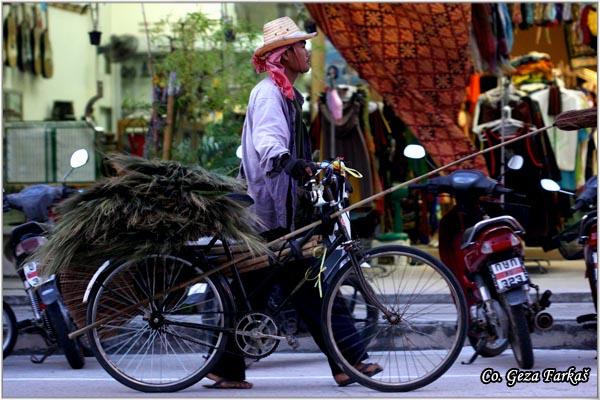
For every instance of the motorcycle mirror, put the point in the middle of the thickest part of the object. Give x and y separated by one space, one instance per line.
414 151
238 152
515 163
79 158
551 186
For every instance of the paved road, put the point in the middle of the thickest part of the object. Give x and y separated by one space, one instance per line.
303 375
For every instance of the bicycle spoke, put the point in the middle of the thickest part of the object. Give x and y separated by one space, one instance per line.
410 350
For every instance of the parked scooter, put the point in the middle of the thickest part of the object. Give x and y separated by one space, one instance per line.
486 254
585 233
50 319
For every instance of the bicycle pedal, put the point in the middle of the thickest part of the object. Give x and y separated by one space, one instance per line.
293 342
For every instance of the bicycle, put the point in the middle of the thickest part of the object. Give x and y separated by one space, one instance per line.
158 324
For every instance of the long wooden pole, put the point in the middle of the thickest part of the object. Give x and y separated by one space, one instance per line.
404 184
317 223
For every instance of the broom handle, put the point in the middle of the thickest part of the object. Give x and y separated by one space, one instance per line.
404 184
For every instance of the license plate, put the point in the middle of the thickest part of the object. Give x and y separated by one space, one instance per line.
31 273
509 274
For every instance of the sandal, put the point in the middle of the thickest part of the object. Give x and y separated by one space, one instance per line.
369 369
226 384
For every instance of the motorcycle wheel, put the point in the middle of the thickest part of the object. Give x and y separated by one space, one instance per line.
72 350
496 347
9 330
520 339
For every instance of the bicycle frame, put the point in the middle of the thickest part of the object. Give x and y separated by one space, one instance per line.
342 238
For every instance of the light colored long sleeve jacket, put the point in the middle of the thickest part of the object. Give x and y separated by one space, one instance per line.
267 134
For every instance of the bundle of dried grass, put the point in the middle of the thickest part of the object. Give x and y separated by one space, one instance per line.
146 207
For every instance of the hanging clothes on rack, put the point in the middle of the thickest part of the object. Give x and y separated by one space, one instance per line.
566 145
492 35
370 141
349 142
535 76
542 219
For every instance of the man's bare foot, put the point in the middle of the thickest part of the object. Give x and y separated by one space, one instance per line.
369 369
222 383
341 378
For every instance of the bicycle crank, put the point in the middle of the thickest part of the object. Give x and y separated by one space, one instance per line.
256 334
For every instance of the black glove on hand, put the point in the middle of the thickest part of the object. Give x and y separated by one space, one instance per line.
298 169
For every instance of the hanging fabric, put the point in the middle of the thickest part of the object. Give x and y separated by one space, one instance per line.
542 218
563 143
348 142
416 56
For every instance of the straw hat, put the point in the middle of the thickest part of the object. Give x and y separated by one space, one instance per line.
280 32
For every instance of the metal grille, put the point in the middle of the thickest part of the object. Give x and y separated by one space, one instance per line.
26 155
40 152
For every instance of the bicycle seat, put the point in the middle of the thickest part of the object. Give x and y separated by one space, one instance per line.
241 198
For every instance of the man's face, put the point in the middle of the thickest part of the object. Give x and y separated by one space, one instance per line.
297 58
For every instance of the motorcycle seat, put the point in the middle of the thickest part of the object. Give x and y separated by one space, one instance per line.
28 229
470 234
20 233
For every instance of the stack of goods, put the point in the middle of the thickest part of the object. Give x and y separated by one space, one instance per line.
532 68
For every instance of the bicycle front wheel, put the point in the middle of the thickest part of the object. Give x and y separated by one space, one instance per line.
158 331
421 336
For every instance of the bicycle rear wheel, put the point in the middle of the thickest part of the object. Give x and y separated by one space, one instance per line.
159 333
431 321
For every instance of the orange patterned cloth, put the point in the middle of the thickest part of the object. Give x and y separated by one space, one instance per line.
415 56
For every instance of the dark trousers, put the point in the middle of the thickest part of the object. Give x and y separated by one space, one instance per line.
308 304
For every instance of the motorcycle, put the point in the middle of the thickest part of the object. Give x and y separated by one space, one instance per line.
50 319
585 235
486 254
